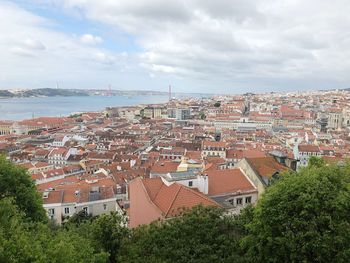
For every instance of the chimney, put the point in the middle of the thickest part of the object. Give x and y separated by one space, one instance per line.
203 184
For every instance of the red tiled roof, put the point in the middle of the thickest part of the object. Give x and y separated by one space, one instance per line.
214 144
164 167
228 181
308 148
58 151
175 197
266 166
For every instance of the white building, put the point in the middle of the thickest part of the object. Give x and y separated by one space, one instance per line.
62 204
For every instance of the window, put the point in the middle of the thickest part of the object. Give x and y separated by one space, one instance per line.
190 183
66 210
85 208
248 199
239 201
231 201
51 211
104 206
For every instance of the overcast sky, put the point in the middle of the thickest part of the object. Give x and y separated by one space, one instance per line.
225 46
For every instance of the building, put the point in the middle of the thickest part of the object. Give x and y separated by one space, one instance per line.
335 119
231 189
5 127
59 156
183 114
302 153
261 171
153 199
62 204
214 149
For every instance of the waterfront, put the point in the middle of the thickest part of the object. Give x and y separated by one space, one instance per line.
25 108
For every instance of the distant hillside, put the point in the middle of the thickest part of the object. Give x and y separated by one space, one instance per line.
48 92
6 94
44 92
52 93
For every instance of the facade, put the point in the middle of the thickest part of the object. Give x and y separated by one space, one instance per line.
5 127
59 156
214 149
183 114
261 171
62 204
302 153
335 119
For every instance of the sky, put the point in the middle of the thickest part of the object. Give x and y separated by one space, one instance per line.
203 46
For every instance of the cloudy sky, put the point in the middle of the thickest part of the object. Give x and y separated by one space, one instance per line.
217 46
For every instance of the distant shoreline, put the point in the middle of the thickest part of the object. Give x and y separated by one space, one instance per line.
49 92
20 108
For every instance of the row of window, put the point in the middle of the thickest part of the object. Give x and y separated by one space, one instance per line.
239 200
213 153
51 211
310 153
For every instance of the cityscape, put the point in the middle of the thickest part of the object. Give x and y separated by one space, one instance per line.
228 148
179 131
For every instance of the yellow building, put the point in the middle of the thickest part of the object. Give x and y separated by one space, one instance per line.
5 127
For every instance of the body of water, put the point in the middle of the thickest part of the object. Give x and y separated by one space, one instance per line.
26 108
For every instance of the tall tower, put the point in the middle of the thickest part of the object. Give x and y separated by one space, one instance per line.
169 92
109 92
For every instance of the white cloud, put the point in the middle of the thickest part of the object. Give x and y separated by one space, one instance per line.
232 40
255 44
34 54
33 44
103 58
90 39
22 52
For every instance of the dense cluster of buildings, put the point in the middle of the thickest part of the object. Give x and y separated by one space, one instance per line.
150 162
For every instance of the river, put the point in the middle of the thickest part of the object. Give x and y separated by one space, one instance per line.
26 108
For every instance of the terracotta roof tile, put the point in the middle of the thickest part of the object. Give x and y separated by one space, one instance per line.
228 181
164 167
175 197
266 166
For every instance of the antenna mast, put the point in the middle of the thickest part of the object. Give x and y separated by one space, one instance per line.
169 92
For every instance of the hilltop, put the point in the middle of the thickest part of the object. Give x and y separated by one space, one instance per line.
43 92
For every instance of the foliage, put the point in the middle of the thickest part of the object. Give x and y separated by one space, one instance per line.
76 115
204 234
108 231
202 115
316 162
303 217
217 104
79 218
23 241
16 183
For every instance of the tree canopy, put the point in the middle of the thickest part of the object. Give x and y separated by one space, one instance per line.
303 217
23 241
204 234
16 183
217 104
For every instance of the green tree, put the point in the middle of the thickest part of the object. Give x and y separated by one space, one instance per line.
78 218
217 104
316 161
204 234
109 231
23 241
202 115
15 182
303 217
